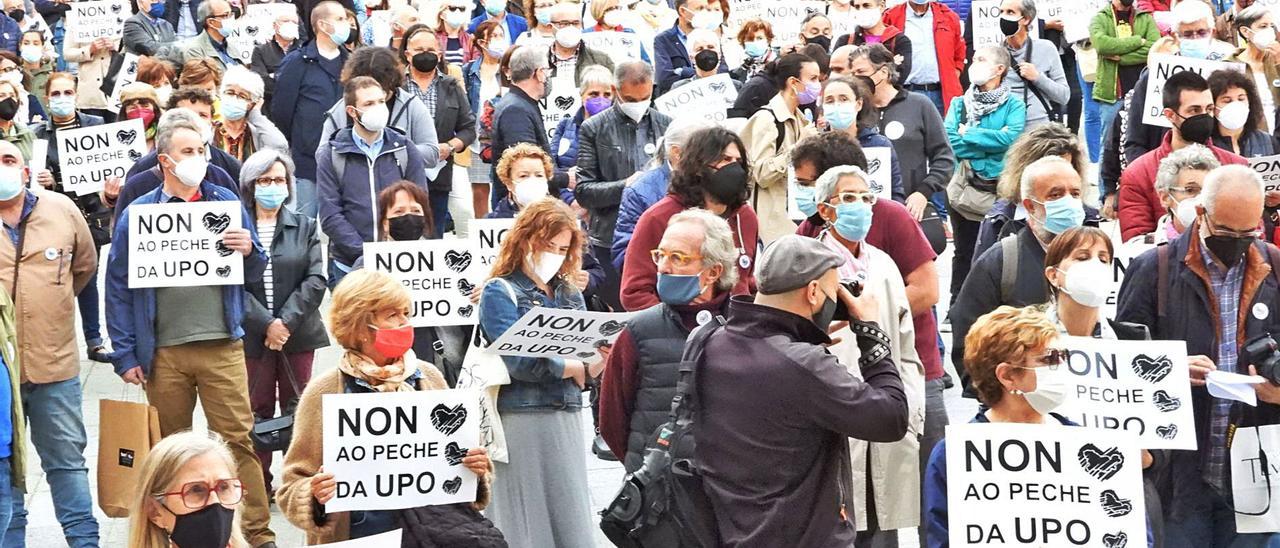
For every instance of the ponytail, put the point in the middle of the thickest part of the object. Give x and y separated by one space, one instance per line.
784 68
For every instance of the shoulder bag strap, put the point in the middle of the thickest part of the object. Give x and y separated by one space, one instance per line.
1008 267
1162 278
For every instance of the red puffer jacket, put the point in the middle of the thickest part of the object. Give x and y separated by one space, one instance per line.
1139 205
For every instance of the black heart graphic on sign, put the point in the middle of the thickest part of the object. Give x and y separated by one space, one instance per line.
626 42
1164 402
115 8
457 262
133 68
1099 463
134 155
1117 540
216 223
126 136
465 311
586 355
1115 506
452 486
465 287
454 454
610 328
873 166
875 188
222 249
1167 432
448 419
564 102
223 271
1152 370
251 30
717 87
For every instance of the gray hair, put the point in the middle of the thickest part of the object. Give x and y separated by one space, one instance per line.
700 36
997 53
633 72
717 243
1189 157
173 120
245 79
1189 12
828 182
1250 15
1040 168
1028 9
1232 175
525 62
255 166
677 135
597 75
205 10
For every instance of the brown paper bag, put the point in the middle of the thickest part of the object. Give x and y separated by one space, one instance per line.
126 433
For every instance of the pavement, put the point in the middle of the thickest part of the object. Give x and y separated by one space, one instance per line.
101 382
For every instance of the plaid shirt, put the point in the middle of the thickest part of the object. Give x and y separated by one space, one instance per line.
1226 287
428 95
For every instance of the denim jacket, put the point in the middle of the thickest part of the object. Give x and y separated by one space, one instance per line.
536 383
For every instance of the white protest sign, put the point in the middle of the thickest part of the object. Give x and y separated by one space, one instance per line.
709 97
1268 167
1137 386
1126 252
259 20
1161 67
180 245
128 74
785 17
394 450
389 538
880 170
486 239
986 24
1076 15
1043 485
561 103
559 333
1249 480
438 274
89 20
90 155
619 46
39 157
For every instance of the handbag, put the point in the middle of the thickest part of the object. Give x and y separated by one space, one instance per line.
970 195
275 433
126 432
457 525
486 372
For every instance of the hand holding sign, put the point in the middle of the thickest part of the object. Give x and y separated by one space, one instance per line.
238 240
323 486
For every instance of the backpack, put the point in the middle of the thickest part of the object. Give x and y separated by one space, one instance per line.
663 504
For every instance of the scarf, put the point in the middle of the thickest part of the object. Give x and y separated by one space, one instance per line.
981 103
381 378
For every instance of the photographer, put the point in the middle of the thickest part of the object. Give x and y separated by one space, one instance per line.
1213 283
789 492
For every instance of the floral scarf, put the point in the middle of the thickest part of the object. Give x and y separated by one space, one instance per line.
980 103
393 377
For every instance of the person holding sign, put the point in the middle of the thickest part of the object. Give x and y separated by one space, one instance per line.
772 132
609 17
188 495
93 60
184 342
847 106
596 89
541 406
369 317
1241 126
148 33
704 46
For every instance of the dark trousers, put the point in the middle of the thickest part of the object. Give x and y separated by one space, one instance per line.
965 237
1076 105
608 291
269 384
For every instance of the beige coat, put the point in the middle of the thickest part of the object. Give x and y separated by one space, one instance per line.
770 165
895 467
58 260
303 459
93 70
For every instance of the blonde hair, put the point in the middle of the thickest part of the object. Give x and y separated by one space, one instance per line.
358 298
598 7
536 225
519 152
1004 335
159 469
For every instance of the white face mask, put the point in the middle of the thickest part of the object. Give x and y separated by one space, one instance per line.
1234 115
981 73
867 18
163 93
1186 211
289 31
375 117
634 111
709 20
1051 389
546 266
569 37
190 171
530 190
1264 38
1088 283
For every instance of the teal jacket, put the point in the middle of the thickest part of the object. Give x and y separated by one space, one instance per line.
984 145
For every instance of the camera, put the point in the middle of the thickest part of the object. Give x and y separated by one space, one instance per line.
1264 354
854 286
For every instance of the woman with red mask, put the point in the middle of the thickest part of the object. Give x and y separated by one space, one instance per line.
369 317
138 101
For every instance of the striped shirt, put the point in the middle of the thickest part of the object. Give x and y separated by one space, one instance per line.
453 52
267 233
1226 286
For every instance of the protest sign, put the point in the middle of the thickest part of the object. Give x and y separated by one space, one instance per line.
1161 67
89 20
1268 167
1125 253
619 46
128 74
395 450
709 97
1137 386
90 155
180 244
785 17
1075 15
389 538
486 239
559 333
561 103
880 171
1251 484
986 25
259 20
1043 485
39 157
438 273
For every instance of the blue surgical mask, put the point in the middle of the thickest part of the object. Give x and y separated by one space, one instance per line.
841 116
756 48
62 106
544 17
233 108
678 289
853 221
804 199
157 10
10 183
1195 47
494 7
340 34
271 197
1064 213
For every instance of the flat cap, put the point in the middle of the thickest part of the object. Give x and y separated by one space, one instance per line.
791 262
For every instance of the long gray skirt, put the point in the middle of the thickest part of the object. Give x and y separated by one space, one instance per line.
541 498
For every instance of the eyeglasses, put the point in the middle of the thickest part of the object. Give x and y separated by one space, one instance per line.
195 495
677 259
854 197
239 95
264 182
1215 230
564 24
1192 190
1193 34
1051 359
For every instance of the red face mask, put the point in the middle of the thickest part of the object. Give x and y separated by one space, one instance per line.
392 343
145 114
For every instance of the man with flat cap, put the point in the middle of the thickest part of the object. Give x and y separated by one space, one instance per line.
775 408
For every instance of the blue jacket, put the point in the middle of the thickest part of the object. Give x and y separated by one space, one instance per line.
536 383
871 137
347 207
506 209
131 313
984 145
10 33
516 25
961 7
564 141
471 79
150 179
636 199
304 91
671 61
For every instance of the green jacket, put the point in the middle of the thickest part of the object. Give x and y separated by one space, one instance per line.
8 344
36 80
1132 50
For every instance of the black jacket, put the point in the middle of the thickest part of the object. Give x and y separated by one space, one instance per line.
453 118
173 9
1140 138
754 95
517 118
266 60
609 151
298 283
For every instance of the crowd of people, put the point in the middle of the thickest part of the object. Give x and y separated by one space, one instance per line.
787 240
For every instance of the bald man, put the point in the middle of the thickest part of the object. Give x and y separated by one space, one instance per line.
840 60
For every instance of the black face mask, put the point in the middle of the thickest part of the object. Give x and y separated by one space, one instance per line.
727 186
426 61
8 109
1227 249
1126 3
406 227
824 41
18 15
823 317
706 60
1198 128
1009 28
209 527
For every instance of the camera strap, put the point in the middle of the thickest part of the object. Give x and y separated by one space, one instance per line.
1266 473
